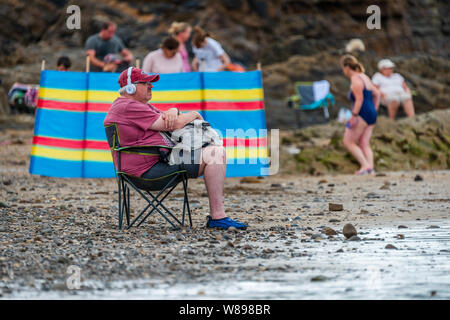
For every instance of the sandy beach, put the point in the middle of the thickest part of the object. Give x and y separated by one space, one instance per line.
49 224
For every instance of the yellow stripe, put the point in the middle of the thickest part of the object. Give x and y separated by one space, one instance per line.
105 155
233 95
74 155
158 96
242 152
62 94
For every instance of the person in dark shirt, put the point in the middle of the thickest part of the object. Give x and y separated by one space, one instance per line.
107 44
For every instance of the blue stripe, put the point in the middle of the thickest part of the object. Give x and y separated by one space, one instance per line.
248 170
178 81
68 80
232 80
92 169
94 126
104 81
223 120
55 167
59 124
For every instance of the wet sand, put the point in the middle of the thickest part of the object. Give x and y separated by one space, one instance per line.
49 224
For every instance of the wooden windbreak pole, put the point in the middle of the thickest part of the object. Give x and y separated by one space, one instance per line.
43 65
258 66
138 63
88 64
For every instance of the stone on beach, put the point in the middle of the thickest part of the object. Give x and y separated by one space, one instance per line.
335 207
349 230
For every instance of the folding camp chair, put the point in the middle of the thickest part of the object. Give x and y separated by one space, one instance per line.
142 185
310 98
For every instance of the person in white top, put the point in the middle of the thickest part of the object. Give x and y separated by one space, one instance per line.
209 54
167 59
394 90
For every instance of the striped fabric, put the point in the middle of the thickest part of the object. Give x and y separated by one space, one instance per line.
69 138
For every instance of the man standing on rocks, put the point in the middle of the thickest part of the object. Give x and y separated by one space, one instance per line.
107 44
140 123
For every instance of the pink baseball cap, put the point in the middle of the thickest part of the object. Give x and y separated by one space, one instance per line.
137 75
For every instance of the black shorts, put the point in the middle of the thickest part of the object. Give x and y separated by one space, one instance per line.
161 169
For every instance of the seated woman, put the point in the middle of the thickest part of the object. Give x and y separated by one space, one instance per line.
209 52
140 123
394 90
167 59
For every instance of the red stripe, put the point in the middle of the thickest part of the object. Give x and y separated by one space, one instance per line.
72 144
236 105
103 145
245 142
61 105
188 106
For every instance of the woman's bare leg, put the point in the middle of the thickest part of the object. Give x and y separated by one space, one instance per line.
364 144
408 107
392 109
351 137
214 168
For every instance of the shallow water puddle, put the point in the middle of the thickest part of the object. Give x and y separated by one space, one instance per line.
418 269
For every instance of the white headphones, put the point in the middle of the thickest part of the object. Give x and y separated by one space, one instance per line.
129 88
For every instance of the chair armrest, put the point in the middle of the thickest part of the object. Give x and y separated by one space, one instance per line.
145 150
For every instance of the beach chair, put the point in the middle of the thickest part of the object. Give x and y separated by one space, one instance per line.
311 102
148 189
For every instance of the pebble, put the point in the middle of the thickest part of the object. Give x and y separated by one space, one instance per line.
402 227
335 207
418 178
354 238
349 230
319 278
4 205
329 231
390 246
334 220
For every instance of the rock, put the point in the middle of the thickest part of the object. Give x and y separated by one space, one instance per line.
400 236
340 250
334 220
354 238
433 227
319 278
250 180
418 178
4 205
335 207
402 227
315 236
329 231
386 186
390 246
349 230
276 185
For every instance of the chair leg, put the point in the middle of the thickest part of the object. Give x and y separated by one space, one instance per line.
151 202
119 182
128 202
186 200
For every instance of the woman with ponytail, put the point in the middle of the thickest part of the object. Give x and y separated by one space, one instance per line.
366 98
208 51
182 32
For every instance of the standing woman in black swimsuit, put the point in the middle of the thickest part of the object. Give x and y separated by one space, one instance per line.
366 99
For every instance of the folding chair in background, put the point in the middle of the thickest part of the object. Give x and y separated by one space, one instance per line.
310 98
143 186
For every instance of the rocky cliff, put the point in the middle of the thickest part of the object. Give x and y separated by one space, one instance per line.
294 40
